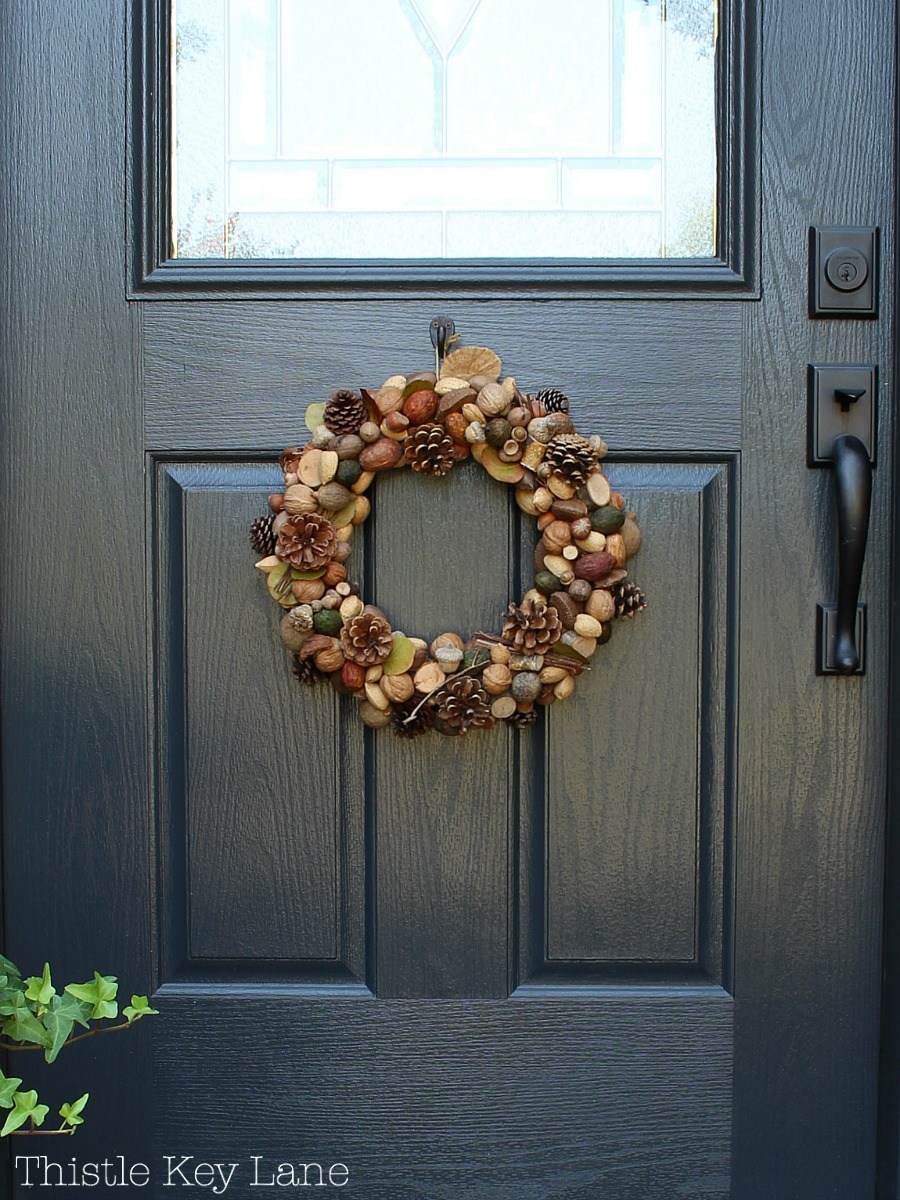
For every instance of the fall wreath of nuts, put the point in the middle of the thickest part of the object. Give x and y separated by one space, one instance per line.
431 423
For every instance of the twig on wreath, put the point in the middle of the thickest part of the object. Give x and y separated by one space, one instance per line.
550 660
438 690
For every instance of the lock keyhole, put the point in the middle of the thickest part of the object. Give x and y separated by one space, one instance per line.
846 269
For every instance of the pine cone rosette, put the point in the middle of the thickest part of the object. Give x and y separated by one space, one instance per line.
345 412
571 457
464 704
405 725
533 626
429 450
629 599
367 639
307 541
262 537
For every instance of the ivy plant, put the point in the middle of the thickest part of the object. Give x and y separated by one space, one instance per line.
35 1017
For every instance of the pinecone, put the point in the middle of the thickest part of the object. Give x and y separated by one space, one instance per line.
429 450
553 400
262 539
366 639
532 626
522 720
306 671
463 704
571 457
306 541
629 599
420 723
345 412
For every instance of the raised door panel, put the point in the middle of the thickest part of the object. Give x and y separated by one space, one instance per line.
260 851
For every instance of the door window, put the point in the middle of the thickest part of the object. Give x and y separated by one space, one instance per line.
443 129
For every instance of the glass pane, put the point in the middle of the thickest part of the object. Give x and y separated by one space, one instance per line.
444 128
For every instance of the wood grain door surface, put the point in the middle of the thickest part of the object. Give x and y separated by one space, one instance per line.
631 953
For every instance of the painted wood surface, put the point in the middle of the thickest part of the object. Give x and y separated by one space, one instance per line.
91 384
650 376
623 1096
810 820
76 797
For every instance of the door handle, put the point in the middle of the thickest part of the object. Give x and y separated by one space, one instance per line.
853 495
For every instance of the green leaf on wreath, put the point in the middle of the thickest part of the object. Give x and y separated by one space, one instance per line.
71 1113
25 1108
315 415
8 1089
40 989
139 1007
101 994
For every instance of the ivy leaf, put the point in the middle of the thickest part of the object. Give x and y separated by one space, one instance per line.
71 1113
9 968
139 1007
25 1108
101 994
8 993
63 1013
22 1025
8 1089
40 989
11 1001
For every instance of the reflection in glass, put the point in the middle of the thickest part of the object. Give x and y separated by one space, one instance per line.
444 128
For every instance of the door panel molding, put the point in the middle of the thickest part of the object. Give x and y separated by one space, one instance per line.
631 881
244 890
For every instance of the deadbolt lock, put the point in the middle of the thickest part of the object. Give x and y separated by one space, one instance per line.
843 271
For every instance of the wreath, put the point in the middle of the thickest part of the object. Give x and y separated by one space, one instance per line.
432 421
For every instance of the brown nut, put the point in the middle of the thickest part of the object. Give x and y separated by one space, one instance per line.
496 679
305 591
395 422
428 677
332 497
397 688
381 455
299 499
567 608
456 425
420 406
353 675
330 658
594 566
631 536
579 589
445 640
557 535
601 605
615 545
335 572
349 446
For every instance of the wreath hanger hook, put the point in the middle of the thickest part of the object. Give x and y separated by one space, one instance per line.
443 332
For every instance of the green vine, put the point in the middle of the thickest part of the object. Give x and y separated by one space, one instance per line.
35 1017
